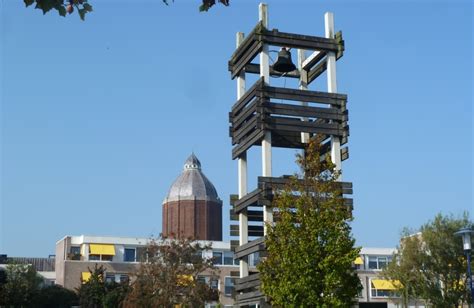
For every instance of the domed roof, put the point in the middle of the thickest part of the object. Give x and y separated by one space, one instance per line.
192 184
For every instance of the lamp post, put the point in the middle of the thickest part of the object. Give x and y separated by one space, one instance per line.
466 243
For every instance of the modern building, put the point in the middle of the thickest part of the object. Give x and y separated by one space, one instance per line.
121 256
192 208
378 292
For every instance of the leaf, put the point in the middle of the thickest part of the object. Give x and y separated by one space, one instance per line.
28 2
87 7
62 11
82 13
224 2
203 8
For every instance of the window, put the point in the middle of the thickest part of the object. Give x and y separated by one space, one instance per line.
217 257
228 286
75 253
109 277
201 279
124 278
106 258
129 255
100 258
382 262
228 258
214 284
254 259
383 288
378 262
94 257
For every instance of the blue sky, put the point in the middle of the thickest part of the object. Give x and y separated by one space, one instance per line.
97 117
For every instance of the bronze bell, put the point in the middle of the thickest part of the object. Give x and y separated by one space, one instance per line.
284 63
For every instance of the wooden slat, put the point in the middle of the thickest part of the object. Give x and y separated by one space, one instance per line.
255 69
247 143
304 111
314 73
247 97
274 125
250 281
313 60
250 247
344 153
246 129
248 57
249 198
251 37
336 99
249 296
299 41
330 42
282 182
245 115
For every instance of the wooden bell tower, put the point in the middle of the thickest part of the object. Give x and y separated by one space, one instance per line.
268 116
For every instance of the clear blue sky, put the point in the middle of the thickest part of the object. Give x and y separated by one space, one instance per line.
98 116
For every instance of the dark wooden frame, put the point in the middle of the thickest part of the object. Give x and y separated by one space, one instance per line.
257 111
247 51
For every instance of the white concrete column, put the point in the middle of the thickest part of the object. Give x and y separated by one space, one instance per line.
242 175
267 140
303 86
332 87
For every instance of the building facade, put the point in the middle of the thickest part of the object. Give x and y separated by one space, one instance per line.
121 257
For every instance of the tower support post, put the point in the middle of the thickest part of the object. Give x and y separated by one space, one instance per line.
332 88
242 174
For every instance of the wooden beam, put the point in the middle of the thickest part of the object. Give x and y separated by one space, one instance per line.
255 69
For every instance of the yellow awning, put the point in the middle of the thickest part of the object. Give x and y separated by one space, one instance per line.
102 249
358 261
381 284
86 276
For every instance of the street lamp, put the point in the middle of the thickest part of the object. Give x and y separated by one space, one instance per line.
466 243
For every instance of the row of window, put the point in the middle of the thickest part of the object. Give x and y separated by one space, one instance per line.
214 284
374 262
130 255
227 258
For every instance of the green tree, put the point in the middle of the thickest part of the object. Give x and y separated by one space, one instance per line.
98 293
431 264
83 7
310 250
21 286
92 292
116 294
169 276
55 296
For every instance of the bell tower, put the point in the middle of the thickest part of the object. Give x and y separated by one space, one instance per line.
267 116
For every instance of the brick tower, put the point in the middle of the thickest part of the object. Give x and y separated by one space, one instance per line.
192 207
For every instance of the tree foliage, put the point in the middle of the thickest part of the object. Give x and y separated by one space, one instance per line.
310 247
21 286
64 7
55 296
169 276
96 292
431 265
